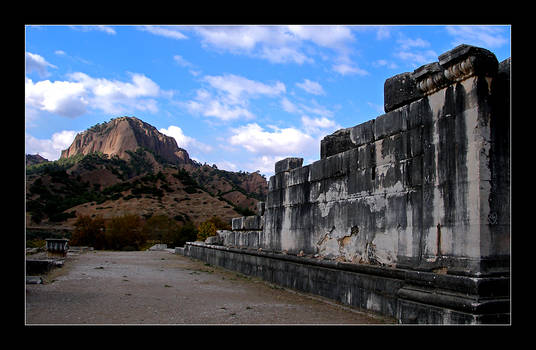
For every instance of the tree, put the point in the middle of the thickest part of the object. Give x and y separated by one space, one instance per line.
206 229
219 223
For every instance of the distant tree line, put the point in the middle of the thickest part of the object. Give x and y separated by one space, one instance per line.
130 232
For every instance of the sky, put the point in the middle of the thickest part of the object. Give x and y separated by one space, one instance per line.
239 97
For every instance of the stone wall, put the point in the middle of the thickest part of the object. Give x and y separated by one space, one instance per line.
424 186
407 214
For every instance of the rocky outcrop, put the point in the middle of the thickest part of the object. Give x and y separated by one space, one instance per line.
124 134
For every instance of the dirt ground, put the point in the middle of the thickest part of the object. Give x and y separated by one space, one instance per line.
158 287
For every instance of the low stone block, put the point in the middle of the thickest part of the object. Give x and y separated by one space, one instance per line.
237 223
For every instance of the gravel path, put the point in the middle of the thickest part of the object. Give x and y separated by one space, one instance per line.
158 287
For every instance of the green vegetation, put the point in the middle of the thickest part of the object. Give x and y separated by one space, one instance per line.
190 185
64 191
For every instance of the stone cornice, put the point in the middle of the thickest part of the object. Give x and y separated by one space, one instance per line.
455 65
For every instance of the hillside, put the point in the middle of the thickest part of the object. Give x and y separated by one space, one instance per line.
126 166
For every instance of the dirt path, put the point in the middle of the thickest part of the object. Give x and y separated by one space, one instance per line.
157 287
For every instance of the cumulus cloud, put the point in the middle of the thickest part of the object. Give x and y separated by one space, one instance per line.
50 148
183 141
67 99
72 98
277 142
36 63
316 125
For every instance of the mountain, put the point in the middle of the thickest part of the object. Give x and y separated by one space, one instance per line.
124 134
126 166
32 159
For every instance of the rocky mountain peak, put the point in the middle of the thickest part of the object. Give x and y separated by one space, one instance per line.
123 134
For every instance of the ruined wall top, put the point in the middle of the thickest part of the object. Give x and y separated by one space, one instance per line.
400 90
457 64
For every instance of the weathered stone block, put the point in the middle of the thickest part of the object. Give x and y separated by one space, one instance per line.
237 223
391 123
400 90
337 142
298 176
288 164
346 139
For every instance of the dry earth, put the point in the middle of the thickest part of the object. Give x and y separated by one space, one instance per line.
158 287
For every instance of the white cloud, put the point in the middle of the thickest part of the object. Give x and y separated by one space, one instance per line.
36 63
311 87
385 63
188 143
289 106
486 36
316 125
284 55
417 58
238 38
326 36
226 165
171 32
209 105
347 69
64 98
236 88
101 28
72 98
317 109
277 44
280 142
50 148
229 95
407 43
181 61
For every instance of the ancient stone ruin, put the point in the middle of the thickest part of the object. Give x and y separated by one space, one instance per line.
407 214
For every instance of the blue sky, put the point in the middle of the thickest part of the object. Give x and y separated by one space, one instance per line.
240 97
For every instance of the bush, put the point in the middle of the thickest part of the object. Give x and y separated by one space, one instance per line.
89 232
125 231
160 228
186 233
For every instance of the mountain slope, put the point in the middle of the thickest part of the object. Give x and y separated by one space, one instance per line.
126 166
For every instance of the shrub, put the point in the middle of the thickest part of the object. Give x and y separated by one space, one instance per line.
125 231
160 228
89 232
186 233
